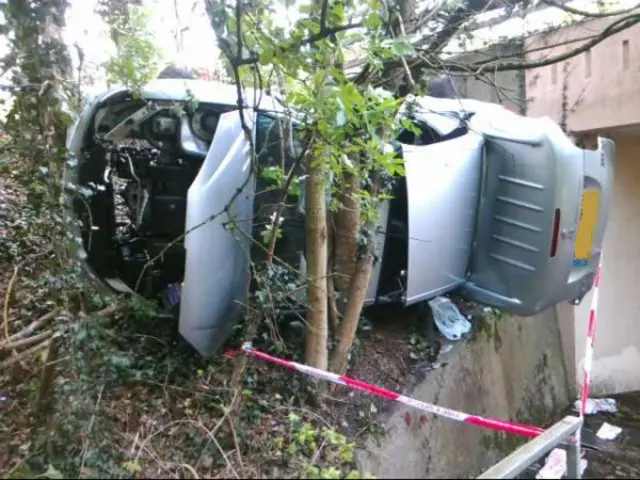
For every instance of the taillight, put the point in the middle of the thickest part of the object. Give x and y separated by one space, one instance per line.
556 233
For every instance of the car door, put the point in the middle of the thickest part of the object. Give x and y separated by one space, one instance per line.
543 211
217 240
443 186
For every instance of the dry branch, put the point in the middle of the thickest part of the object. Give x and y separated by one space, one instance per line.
23 355
45 393
25 342
29 330
26 338
499 65
110 310
7 298
584 13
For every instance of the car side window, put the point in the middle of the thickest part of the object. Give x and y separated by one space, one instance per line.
277 151
274 145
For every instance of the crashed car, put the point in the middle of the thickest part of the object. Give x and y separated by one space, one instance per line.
505 208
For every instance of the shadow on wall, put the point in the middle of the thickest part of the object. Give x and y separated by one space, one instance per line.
513 370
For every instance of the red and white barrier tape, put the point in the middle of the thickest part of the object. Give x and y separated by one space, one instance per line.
494 424
591 330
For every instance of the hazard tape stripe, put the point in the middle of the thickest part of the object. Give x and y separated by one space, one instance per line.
494 424
591 332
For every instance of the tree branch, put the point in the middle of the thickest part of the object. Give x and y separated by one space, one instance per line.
582 13
323 15
461 15
452 23
495 62
330 31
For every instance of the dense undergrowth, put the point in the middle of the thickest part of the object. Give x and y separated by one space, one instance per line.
109 389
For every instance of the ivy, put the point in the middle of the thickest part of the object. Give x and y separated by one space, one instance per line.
137 58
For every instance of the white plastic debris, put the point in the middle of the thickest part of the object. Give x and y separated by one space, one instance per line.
446 349
556 465
608 431
597 405
448 318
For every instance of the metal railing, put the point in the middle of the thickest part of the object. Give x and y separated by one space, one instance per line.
566 432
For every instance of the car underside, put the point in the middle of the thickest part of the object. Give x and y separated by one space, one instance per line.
167 203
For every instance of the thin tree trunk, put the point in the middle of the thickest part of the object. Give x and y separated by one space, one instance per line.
347 227
349 325
353 275
355 301
316 245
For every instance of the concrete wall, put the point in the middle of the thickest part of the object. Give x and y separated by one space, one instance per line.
505 88
602 92
515 372
602 84
616 367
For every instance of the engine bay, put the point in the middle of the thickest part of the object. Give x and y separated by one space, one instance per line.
140 159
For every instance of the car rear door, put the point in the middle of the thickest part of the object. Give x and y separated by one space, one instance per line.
218 238
542 215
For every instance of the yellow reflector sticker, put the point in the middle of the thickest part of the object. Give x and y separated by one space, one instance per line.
587 227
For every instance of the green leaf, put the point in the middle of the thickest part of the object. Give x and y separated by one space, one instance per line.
373 21
338 13
51 473
268 233
122 362
402 46
132 467
266 56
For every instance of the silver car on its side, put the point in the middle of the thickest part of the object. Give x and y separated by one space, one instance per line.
503 207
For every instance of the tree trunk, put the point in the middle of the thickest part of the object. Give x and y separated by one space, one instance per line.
316 255
352 276
346 229
357 294
349 325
